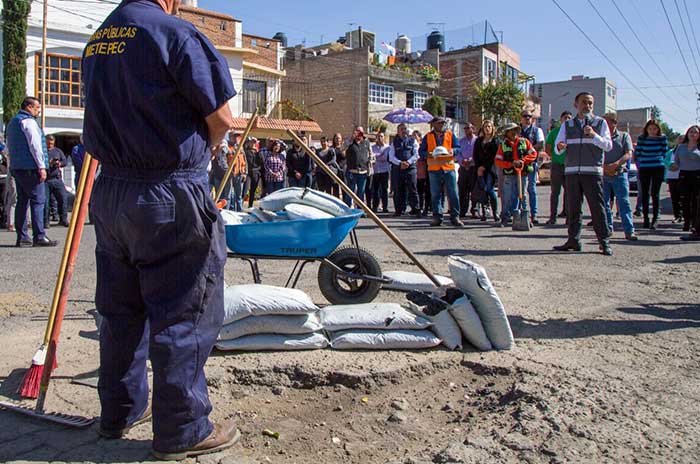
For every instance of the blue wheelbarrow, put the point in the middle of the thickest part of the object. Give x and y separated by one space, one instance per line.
347 274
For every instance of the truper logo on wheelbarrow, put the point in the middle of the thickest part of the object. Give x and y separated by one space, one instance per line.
299 251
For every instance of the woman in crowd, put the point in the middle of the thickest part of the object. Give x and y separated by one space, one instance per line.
275 168
672 179
423 182
484 154
688 163
339 154
369 186
649 155
323 181
380 178
219 167
255 163
238 173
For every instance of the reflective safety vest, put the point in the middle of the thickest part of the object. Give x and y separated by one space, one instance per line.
509 156
440 163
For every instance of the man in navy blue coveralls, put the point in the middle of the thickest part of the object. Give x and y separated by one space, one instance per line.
156 96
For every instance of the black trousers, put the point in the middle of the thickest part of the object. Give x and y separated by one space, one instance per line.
405 190
465 184
690 185
590 187
380 190
369 189
252 182
676 192
57 189
651 180
424 201
557 181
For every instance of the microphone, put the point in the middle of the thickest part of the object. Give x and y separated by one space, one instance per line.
587 119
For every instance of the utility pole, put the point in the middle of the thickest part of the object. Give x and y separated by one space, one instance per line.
44 64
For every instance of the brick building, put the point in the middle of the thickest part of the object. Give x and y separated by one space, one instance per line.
340 87
256 69
461 70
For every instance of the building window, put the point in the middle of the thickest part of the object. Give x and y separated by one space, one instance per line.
63 81
415 99
381 94
489 68
511 74
254 96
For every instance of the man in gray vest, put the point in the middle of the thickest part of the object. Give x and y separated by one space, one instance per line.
403 155
29 160
615 182
585 138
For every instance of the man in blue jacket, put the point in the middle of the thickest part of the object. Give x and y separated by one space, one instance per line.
156 100
26 144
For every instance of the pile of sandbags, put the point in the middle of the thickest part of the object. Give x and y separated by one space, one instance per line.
376 326
261 317
290 204
481 302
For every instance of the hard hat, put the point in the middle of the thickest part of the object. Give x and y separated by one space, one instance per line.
440 151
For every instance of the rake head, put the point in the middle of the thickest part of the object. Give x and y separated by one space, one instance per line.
58 418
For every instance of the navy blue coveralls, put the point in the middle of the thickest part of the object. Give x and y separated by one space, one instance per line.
150 81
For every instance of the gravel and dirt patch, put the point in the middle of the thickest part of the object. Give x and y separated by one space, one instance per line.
605 368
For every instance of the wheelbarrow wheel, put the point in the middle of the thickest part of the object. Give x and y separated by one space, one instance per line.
341 289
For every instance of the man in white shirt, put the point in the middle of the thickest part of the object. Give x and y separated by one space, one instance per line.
585 138
26 144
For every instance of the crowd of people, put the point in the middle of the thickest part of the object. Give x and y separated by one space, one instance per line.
475 176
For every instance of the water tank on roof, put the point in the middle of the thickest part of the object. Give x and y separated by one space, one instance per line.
282 37
436 41
403 45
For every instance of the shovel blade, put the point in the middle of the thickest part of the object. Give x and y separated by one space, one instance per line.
521 221
55 417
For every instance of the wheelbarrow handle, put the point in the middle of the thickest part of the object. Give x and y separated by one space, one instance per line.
368 211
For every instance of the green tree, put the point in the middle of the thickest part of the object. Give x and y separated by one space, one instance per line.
435 105
14 37
499 101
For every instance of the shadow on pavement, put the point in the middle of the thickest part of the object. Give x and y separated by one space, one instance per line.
504 252
558 329
679 312
681 260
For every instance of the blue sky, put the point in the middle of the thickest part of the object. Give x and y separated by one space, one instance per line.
550 46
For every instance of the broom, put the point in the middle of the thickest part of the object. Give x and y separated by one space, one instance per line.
29 387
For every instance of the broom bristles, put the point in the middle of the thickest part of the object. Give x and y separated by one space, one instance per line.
29 388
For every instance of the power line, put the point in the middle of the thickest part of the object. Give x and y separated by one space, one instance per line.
687 37
695 37
646 73
612 63
644 47
678 44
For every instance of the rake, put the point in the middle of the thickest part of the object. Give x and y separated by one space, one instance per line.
58 312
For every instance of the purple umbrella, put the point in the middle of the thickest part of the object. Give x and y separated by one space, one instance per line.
408 116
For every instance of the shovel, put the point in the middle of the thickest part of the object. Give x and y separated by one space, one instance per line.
521 217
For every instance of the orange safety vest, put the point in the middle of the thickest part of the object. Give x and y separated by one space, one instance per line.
440 163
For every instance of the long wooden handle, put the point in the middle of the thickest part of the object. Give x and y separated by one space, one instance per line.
249 127
63 298
66 250
368 211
